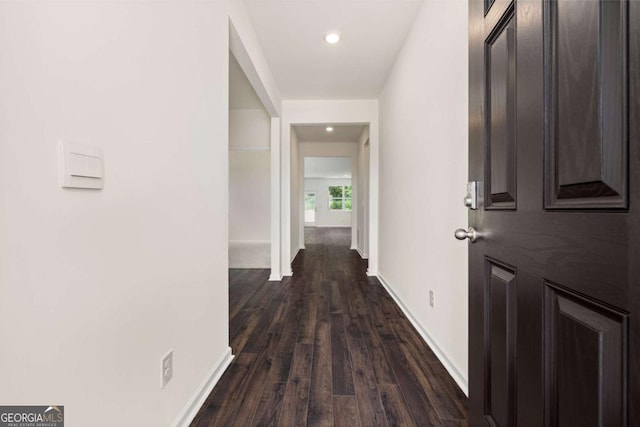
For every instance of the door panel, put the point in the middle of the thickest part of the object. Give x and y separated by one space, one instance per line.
586 104
554 279
500 344
500 88
585 356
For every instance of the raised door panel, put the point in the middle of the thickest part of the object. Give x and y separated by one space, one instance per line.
586 348
487 5
500 129
500 344
586 106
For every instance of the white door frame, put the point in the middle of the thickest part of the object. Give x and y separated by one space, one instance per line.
335 112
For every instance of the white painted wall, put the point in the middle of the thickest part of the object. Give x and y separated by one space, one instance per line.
98 285
249 129
297 196
324 216
249 189
276 201
249 205
363 194
423 171
361 111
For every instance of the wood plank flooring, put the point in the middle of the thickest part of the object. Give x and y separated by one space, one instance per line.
327 347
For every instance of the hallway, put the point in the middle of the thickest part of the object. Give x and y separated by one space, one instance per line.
327 346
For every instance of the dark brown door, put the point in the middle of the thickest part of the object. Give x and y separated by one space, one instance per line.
554 284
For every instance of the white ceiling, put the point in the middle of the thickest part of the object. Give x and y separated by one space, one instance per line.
306 67
318 133
327 167
241 93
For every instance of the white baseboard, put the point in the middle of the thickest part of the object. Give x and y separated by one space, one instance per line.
194 404
295 254
362 255
372 273
275 278
460 379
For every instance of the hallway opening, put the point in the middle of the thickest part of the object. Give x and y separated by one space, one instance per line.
328 192
330 182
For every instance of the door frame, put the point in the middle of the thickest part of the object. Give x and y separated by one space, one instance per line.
337 112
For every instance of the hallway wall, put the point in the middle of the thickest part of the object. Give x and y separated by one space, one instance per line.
423 172
249 189
297 196
363 195
97 286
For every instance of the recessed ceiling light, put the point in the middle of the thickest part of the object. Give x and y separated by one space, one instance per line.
332 37
329 129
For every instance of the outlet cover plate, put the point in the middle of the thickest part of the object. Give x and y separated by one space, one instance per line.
166 368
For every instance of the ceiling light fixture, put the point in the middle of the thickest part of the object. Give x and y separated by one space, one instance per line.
329 129
332 37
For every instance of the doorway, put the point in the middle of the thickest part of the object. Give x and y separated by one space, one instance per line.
337 152
328 188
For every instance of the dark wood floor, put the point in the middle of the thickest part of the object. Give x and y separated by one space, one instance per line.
327 347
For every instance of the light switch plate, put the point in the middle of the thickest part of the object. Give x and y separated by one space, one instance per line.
81 166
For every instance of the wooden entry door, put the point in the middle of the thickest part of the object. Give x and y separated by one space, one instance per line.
554 282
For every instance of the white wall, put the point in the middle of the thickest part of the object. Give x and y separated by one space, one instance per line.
423 171
363 194
249 129
98 285
297 197
324 216
360 111
249 205
276 201
249 189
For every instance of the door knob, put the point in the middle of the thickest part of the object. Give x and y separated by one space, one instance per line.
470 234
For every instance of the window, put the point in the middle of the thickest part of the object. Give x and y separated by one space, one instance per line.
340 198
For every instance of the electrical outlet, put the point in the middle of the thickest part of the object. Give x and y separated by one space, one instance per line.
167 368
431 298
